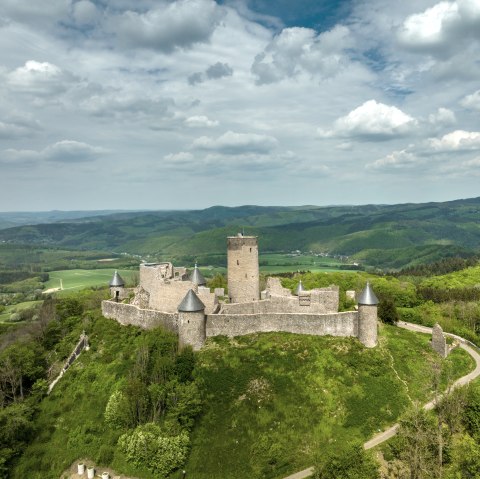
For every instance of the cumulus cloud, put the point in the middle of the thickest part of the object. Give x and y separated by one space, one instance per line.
372 120
472 101
37 13
85 13
299 49
18 127
65 151
458 140
115 103
442 117
231 143
179 24
215 71
396 160
40 78
440 29
200 121
244 164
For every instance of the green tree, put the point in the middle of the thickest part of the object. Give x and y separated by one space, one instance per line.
351 463
387 312
465 458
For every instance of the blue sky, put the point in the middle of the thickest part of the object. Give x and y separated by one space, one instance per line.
189 103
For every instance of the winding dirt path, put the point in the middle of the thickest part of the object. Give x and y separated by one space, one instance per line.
391 431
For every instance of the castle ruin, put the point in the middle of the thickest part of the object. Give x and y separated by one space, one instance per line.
167 296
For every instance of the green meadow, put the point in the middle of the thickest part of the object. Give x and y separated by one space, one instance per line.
76 279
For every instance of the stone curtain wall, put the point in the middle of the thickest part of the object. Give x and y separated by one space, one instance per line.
145 318
319 302
336 324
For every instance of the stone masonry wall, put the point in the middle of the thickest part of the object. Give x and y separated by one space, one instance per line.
145 318
242 266
439 343
336 324
318 301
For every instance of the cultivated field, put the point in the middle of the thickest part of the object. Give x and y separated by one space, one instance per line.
75 279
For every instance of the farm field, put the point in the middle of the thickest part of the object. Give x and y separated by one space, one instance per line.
76 279
282 262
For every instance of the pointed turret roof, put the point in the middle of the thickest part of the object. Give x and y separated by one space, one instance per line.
191 303
367 296
116 281
299 289
197 277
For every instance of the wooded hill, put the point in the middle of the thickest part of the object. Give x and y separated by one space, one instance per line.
383 236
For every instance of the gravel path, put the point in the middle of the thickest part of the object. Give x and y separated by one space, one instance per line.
391 431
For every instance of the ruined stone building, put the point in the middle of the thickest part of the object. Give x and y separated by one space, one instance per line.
167 296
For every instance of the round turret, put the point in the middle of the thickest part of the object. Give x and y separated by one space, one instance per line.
299 289
197 278
367 317
117 287
192 322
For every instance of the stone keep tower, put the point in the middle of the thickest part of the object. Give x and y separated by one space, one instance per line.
367 317
192 322
243 272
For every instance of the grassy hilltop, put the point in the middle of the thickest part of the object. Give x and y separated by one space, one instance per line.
272 403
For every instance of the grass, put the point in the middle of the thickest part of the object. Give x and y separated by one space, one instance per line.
76 279
277 402
15 308
274 402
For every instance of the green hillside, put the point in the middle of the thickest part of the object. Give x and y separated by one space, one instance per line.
384 236
272 403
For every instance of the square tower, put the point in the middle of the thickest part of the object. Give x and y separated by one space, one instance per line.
243 272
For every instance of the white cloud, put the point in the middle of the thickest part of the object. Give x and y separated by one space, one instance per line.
85 13
472 101
296 50
65 151
200 121
70 151
232 143
372 120
40 78
120 104
179 24
396 160
213 72
458 140
442 117
441 28
16 126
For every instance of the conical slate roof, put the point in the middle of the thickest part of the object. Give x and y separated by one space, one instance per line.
197 277
367 296
299 289
116 281
191 303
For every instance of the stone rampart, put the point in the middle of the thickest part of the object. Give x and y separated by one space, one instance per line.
311 302
145 318
335 324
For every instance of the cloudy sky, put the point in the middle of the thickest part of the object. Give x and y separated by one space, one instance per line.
155 104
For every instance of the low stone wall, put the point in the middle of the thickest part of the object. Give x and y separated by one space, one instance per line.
334 324
145 318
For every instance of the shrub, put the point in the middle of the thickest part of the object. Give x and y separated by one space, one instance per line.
148 446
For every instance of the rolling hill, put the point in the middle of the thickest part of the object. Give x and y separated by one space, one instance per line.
383 236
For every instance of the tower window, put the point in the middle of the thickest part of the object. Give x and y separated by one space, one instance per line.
238 262
250 250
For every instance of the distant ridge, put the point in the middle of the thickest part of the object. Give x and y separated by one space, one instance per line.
384 236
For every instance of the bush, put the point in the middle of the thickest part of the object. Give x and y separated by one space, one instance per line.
148 446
